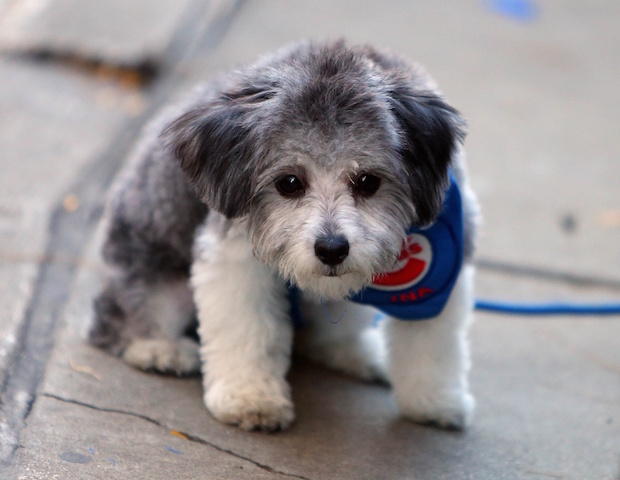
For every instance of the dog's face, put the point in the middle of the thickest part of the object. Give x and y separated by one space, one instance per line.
330 154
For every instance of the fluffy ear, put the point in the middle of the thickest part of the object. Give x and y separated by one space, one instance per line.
217 144
431 131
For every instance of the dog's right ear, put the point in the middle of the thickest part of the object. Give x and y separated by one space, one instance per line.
217 144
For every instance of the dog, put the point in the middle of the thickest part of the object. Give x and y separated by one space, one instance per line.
301 186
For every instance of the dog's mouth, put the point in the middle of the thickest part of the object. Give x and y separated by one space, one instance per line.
332 283
333 272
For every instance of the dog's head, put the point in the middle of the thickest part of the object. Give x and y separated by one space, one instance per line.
330 153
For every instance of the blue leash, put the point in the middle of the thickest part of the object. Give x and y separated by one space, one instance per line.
548 308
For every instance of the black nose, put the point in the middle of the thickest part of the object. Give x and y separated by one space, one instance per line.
331 250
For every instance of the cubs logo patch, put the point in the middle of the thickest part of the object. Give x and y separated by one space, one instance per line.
410 268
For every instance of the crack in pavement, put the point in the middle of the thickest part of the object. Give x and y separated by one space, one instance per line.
190 437
549 274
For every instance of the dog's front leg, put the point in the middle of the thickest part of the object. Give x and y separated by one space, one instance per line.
429 362
245 331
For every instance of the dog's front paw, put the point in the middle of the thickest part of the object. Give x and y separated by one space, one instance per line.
251 407
449 410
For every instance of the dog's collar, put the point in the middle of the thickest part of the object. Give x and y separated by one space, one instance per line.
419 287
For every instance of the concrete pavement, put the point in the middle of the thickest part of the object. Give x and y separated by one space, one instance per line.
540 96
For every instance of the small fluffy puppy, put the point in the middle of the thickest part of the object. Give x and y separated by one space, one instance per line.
318 185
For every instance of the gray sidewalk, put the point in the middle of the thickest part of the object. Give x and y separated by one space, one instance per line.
540 94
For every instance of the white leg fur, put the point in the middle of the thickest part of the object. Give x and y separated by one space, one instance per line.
429 361
342 336
245 330
169 307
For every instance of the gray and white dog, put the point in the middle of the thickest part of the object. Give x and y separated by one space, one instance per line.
308 168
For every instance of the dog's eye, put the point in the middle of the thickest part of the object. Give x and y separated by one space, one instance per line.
367 184
290 186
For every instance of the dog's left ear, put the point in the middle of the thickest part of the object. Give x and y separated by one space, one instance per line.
217 143
431 131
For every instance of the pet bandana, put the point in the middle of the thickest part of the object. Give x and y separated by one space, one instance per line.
419 285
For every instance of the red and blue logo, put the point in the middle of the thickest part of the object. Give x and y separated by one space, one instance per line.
410 268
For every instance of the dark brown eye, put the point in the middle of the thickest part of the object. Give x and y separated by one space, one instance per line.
367 184
290 186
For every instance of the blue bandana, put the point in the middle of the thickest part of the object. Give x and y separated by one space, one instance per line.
419 286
